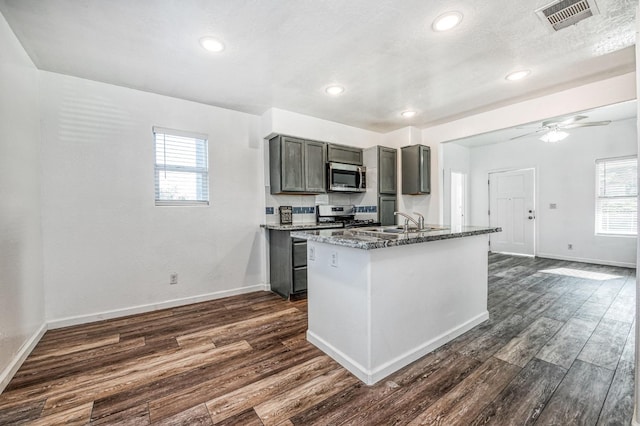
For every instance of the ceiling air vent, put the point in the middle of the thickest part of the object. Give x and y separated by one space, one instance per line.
564 13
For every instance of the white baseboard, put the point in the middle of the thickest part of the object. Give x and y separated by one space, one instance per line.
83 319
587 260
374 375
7 374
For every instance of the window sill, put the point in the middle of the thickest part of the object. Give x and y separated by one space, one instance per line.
180 203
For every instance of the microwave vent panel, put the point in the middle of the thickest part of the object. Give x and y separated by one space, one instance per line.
564 13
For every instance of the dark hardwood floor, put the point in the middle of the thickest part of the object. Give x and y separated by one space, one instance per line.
558 349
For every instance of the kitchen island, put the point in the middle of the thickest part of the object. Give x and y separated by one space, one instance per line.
380 298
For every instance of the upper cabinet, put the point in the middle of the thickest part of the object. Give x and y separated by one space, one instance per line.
344 154
297 166
387 170
315 166
416 169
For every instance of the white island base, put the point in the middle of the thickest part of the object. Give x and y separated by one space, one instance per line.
376 311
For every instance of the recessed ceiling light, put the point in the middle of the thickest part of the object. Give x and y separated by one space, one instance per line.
518 75
408 114
211 44
447 21
334 90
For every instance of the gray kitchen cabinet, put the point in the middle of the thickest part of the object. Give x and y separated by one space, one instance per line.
344 154
296 165
386 208
315 166
387 170
416 169
287 263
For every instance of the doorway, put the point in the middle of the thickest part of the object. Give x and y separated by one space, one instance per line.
512 207
458 199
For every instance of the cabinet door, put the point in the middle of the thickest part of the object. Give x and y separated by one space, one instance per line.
386 208
292 163
387 165
299 280
315 166
416 169
299 251
425 169
344 154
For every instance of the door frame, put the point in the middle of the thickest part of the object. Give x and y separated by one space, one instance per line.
466 195
535 204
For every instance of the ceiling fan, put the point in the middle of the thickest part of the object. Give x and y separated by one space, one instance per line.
553 129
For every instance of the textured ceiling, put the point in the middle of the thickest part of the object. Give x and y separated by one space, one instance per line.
283 53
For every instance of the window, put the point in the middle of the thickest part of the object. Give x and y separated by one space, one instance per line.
616 196
182 171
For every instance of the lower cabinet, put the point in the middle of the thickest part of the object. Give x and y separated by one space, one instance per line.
386 208
288 263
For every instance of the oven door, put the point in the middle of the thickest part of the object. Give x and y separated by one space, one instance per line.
346 178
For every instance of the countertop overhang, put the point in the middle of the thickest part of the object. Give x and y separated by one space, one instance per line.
361 238
301 226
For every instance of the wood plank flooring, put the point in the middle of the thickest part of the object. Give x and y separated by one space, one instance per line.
558 349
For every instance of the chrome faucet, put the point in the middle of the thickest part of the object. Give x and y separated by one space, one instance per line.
407 218
420 220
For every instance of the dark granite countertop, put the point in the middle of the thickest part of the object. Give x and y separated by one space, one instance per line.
301 226
374 238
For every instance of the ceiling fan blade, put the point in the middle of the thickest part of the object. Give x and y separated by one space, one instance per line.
588 124
565 122
529 134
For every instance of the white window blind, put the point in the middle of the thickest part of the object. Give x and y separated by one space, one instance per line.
182 167
616 196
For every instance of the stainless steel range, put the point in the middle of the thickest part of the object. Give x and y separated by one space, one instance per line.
346 215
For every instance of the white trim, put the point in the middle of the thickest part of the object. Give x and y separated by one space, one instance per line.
116 313
182 133
587 260
513 254
11 369
369 376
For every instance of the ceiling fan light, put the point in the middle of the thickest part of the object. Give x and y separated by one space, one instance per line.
554 136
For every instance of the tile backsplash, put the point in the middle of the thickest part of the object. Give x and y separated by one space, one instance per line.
304 206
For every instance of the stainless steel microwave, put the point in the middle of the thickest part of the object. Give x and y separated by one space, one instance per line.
346 178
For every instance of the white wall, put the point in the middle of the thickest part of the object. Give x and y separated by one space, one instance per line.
565 175
291 123
108 250
21 288
604 92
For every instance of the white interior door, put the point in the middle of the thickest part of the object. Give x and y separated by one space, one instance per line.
458 199
512 207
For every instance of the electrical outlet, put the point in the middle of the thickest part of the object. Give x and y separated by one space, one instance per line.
312 253
173 278
334 259
570 246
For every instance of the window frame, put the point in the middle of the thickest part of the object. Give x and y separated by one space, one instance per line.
201 172
599 232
